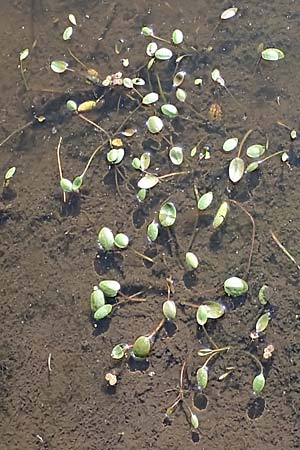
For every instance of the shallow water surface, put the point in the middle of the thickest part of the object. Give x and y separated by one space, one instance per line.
53 355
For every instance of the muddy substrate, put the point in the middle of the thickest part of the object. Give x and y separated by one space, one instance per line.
53 357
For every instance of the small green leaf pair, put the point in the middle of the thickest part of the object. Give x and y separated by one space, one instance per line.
209 310
69 186
107 239
110 288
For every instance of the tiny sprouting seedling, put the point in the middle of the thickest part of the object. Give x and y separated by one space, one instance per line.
109 289
9 174
141 347
217 78
237 165
23 55
107 241
67 185
180 401
226 14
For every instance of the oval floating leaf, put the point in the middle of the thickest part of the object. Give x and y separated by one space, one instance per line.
229 13
235 286
147 31
202 377
176 155
252 166
138 81
141 195
236 169
205 352
9 173
152 231
59 66
258 383
255 151
97 299
178 78
145 161
177 37
77 183
272 54
110 287
106 238
194 421
150 98
115 155
214 310
148 181
121 240
167 214
66 185
67 33
71 105
201 315
118 352
127 82
163 54
205 201
169 310
151 48
72 19
169 110
102 312
136 163
129 132
262 323
230 144
24 54
191 260
87 106
141 347
181 95
264 294
221 214
154 124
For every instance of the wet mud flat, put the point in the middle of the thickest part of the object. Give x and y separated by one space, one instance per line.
53 355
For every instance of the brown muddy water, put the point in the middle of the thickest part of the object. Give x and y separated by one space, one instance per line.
53 355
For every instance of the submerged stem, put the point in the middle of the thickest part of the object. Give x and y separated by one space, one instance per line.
253 231
18 130
247 134
59 165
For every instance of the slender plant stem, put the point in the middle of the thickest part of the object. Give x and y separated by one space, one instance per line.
147 258
160 88
168 175
94 125
247 134
285 251
209 338
59 165
271 156
23 75
157 329
253 232
18 130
